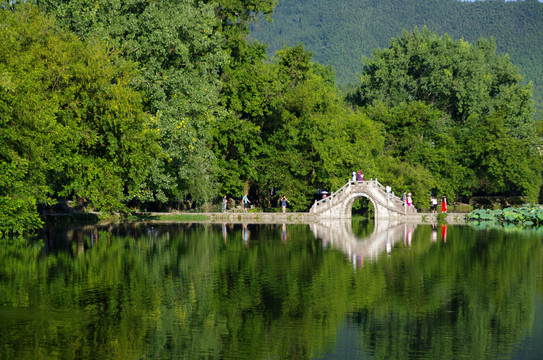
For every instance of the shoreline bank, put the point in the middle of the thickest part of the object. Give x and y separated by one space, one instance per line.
296 218
250 217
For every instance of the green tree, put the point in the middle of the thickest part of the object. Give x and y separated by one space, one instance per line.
341 34
251 94
459 88
454 76
418 140
288 131
314 140
180 59
71 124
503 164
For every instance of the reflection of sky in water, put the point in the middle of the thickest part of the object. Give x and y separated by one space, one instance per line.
348 345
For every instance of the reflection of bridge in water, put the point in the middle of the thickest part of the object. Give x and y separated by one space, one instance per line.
339 235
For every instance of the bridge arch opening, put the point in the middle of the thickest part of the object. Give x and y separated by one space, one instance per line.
363 208
361 204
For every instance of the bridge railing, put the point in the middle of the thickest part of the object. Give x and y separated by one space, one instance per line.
393 202
326 203
336 196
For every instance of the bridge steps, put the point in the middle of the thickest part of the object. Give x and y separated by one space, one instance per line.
339 203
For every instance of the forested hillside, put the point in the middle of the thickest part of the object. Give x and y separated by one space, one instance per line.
341 32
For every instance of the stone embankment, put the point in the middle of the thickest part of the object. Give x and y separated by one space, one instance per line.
307 218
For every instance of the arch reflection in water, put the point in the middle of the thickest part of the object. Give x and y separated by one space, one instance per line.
339 234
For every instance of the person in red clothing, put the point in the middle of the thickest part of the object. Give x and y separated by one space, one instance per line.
444 204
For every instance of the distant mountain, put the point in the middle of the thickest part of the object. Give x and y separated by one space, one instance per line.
341 32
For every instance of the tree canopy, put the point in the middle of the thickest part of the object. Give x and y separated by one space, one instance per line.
179 58
135 101
340 34
456 109
289 132
71 124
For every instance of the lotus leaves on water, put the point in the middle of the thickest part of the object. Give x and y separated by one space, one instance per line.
525 215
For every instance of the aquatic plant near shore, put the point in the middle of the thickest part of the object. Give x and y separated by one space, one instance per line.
526 215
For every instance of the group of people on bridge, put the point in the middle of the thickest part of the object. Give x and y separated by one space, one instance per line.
407 200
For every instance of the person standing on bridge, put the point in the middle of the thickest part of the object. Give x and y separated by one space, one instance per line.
388 189
409 201
404 198
284 201
354 177
360 176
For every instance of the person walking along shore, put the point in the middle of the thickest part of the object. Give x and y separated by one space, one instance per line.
224 204
246 202
284 201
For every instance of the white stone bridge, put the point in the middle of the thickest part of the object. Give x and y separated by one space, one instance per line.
339 204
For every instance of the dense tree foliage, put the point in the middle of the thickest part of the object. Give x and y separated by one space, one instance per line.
457 110
341 33
70 123
136 100
289 132
179 59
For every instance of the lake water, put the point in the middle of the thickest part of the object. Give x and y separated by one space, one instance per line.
329 291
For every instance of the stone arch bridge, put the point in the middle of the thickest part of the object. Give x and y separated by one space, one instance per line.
340 203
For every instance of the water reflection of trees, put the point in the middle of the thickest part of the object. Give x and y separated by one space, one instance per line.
187 290
473 296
